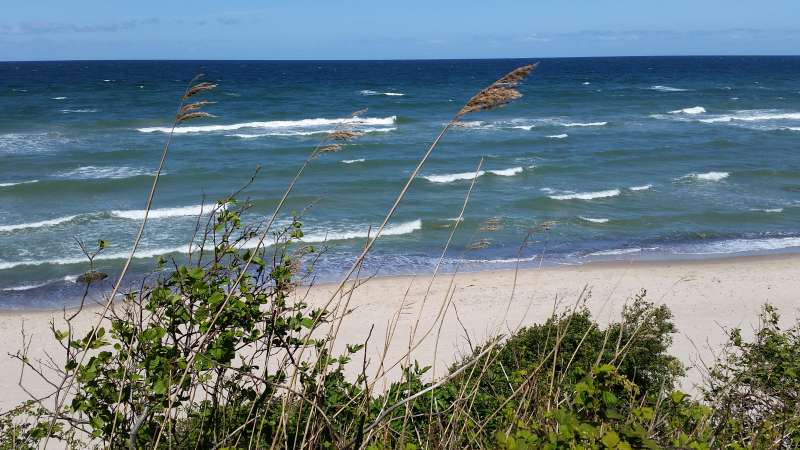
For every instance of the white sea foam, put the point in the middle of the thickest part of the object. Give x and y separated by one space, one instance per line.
558 136
40 224
586 83
595 220
59 98
753 115
163 213
450 177
364 232
87 110
667 89
692 111
502 260
585 124
304 133
524 127
641 188
353 161
26 287
95 172
791 128
773 210
616 252
748 245
708 176
390 94
587 195
279 124
510 172
18 183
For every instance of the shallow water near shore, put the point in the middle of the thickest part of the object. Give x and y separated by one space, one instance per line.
648 158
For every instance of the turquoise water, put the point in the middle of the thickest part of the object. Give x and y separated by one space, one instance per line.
634 158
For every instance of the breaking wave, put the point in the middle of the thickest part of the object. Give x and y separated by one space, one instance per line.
297 125
587 195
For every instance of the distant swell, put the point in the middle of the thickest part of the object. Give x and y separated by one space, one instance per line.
587 195
278 125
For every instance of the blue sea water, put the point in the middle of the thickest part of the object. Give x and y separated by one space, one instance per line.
633 158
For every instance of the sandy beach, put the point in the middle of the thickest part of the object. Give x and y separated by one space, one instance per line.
706 297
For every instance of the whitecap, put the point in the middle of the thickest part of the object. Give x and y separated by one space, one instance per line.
163 213
95 172
753 115
524 127
390 94
510 172
18 183
616 252
391 230
667 89
643 187
304 133
76 111
59 98
25 287
450 177
586 83
353 161
587 195
708 176
692 110
278 124
558 136
773 210
40 224
595 220
586 124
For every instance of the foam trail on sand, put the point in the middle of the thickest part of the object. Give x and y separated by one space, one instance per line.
278 124
587 195
40 224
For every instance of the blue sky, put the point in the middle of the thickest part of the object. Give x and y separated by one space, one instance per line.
352 29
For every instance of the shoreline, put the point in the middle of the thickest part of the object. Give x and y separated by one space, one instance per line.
700 259
705 296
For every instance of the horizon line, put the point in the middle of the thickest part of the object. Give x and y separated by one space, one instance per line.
762 55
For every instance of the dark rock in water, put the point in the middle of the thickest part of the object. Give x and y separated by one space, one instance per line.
92 276
793 188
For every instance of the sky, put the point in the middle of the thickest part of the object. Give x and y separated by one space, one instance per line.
407 29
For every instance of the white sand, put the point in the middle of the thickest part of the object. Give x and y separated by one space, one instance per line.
705 297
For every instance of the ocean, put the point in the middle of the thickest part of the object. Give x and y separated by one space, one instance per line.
631 158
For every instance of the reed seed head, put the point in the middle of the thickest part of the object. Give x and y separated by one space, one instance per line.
344 135
499 93
193 115
198 88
